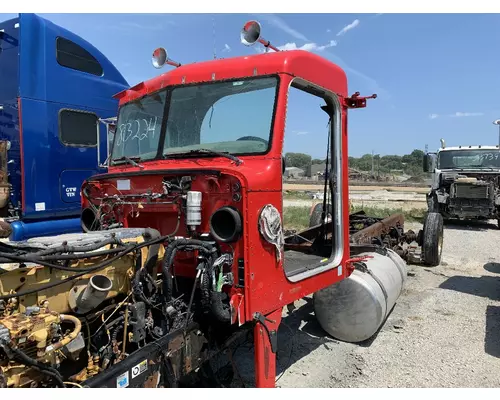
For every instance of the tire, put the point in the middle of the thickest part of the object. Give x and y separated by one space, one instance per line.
315 218
432 239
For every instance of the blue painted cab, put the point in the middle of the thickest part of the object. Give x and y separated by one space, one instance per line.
54 88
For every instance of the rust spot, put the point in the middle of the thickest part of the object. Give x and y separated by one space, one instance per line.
151 381
295 289
266 361
187 364
176 343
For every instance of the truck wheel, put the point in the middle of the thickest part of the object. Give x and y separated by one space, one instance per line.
315 218
432 239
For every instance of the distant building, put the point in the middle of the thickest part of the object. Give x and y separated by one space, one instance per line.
317 169
293 172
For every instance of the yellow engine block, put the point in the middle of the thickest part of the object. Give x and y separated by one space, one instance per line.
45 323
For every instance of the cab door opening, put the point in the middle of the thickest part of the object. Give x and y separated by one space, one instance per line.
317 246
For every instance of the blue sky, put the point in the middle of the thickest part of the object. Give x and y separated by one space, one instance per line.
436 75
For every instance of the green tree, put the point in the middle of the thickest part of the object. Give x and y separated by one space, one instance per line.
298 160
411 163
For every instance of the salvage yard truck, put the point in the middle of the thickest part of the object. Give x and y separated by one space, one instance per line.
185 250
465 182
55 87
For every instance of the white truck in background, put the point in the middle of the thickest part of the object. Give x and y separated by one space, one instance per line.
465 182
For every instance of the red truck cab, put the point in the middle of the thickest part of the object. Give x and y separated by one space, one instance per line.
201 171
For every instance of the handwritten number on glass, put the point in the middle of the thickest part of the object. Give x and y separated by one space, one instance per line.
126 130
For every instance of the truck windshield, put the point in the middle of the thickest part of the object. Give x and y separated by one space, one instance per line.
138 128
234 117
469 159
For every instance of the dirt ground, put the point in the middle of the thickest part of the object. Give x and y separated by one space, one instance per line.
443 332
404 198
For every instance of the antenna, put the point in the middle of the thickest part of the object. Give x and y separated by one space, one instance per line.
213 27
160 58
497 122
250 34
426 148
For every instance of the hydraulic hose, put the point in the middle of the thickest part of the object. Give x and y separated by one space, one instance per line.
136 285
181 244
193 243
72 336
213 299
210 296
222 313
205 288
49 254
59 249
60 267
7 258
76 249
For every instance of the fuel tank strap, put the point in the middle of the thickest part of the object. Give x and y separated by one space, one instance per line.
362 267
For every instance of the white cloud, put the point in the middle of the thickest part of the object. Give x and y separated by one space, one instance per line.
328 30
467 114
332 43
302 133
279 23
458 114
308 46
226 48
346 28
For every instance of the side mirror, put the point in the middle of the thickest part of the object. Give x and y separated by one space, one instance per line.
110 124
429 162
425 163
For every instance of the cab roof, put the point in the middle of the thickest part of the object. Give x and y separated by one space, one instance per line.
470 148
298 63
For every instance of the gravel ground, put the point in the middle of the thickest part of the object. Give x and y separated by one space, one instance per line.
443 332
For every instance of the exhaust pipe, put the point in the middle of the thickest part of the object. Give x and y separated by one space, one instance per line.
83 299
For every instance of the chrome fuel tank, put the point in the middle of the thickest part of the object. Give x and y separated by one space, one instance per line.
354 309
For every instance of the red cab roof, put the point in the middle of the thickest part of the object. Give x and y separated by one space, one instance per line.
298 63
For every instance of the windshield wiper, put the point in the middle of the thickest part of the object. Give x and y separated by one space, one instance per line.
207 152
129 160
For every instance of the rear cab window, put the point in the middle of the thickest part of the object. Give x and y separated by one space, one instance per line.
78 128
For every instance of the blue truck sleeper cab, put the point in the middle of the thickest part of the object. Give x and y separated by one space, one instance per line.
54 88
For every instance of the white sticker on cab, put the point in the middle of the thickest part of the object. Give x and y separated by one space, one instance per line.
139 368
123 184
122 380
40 206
